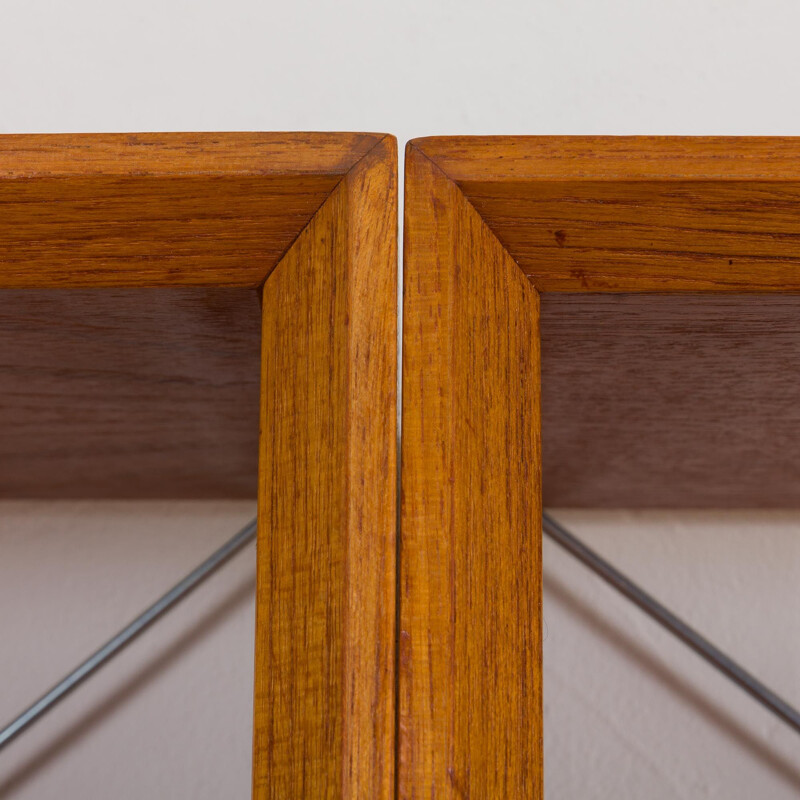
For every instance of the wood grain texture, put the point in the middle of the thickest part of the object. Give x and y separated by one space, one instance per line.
670 401
470 568
216 209
129 393
647 400
128 368
325 639
637 214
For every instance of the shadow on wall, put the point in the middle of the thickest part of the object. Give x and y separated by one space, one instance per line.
127 693
728 727
557 592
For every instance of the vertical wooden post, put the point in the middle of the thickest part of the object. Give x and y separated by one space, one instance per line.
325 638
470 563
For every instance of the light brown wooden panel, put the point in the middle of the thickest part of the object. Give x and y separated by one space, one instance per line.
325 638
470 569
129 393
637 213
675 401
215 209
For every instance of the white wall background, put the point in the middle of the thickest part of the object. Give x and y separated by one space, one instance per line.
171 717
629 713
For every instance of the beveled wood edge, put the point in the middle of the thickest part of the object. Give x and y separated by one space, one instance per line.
502 159
30 156
413 149
382 149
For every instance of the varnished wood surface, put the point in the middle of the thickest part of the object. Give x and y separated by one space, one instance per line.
470 569
325 632
167 154
636 213
671 401
511 159
129 393
216 209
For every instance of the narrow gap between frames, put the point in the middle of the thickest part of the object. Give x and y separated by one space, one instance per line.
398 539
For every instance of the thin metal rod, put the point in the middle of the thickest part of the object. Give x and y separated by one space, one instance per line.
127 634
673 624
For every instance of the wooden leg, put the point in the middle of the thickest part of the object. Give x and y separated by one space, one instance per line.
325 632
470 563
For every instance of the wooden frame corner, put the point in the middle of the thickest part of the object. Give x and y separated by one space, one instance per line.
193 224
493 226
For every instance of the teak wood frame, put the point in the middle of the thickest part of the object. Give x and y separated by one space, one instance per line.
308 221
490 224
